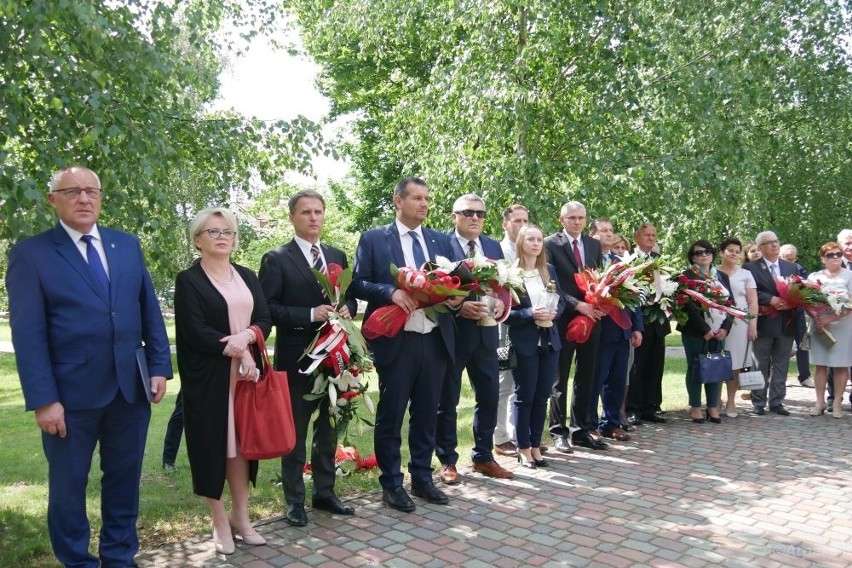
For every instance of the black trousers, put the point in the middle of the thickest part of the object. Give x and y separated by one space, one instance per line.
584 382
645 392
174 432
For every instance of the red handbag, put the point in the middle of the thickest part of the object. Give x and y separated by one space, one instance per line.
263 415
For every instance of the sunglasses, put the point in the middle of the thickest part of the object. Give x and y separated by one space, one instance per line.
472 212
701 252
833 255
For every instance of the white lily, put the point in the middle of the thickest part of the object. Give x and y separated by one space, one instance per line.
369 402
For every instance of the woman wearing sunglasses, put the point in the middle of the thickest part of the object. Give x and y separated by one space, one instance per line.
824 353
703 331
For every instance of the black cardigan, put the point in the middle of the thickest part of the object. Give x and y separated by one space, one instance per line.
201 320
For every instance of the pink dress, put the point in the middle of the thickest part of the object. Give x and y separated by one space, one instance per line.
240 306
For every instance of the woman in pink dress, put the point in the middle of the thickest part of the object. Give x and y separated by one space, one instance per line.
216 302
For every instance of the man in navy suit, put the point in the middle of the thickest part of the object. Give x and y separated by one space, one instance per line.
412 364
299 308
81 304
569 251
476 351
614 351
776 331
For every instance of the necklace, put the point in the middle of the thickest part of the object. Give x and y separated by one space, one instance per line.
210 274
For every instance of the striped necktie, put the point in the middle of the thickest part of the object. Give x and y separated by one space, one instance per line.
318 264
471 249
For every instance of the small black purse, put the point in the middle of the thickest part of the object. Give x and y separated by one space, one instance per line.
507 359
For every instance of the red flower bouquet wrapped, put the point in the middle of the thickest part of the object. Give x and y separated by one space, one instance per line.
797 292
428 287
706 295
339 356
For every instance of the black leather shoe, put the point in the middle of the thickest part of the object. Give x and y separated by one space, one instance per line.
628 428
398 499
429 492
296 515
583 438
780 410
759 410
633 419
653 418
332 505
560 444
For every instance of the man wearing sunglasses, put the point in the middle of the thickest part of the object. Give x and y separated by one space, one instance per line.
776 331
476 351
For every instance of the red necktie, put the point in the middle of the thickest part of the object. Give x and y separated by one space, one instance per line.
577 256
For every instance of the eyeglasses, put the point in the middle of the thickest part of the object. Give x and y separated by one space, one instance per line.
75 192
701 252
471 212
775 242
833 255
576 218
219 233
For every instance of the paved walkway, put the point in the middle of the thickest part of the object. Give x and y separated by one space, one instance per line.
754 491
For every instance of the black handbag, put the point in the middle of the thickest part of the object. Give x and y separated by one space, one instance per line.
713 366
507 359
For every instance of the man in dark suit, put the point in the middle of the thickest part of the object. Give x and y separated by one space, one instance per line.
81 304
412 364
569 251
614 350
645 391
476 351
776 331
299 308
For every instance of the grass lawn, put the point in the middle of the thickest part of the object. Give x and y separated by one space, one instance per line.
169 510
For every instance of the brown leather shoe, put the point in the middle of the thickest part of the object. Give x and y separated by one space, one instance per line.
506 449
492 469
449 475
616 434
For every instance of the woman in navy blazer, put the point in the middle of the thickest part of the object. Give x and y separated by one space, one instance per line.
537 347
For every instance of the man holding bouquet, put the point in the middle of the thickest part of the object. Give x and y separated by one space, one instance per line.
299 307
776 328
412 363
476 351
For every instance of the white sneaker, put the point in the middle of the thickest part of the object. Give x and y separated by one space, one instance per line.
809 382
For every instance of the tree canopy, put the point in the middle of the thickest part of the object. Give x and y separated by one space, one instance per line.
706 118
123 88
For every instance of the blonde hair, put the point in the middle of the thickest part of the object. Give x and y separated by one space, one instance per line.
197 224
541 259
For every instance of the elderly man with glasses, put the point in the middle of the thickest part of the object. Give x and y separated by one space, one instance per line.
776 328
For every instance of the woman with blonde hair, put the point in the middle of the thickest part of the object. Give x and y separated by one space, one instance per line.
536 344
216 304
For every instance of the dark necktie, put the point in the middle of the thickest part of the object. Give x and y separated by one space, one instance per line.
95 264
471 249
577 256
318 264
417 250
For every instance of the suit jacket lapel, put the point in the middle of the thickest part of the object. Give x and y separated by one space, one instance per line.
569 251
114 257
395 245
456 246
68 250
300 263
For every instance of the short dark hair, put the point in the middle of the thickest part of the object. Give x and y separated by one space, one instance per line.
507 212
401 187
728 242
704 243
294 199
593 226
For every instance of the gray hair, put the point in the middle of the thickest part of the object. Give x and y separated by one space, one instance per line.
844 235
467 197
571 206
53 184
788 249
765 236
294 199
197 224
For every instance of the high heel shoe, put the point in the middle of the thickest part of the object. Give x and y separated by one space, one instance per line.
697 420
817 410
541 463
717 420
249 536
524 463
224 546
837 410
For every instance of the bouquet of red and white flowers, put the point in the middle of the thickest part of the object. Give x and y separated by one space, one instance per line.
487 278
616 286
428 286
339 357
705 295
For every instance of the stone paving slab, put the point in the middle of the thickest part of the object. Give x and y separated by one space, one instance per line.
760 491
